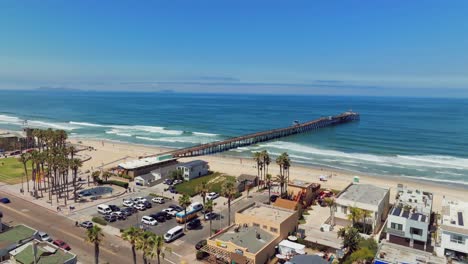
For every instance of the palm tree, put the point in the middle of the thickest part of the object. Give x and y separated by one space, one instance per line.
144 243
202 189
75 164
24 159
131 235
331 203
268 182
366 214
259 159
354 214
229 191
281 179
209 208
94 235
184 202
158 247
266 163
351 238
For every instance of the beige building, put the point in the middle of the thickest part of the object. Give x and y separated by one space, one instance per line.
253 237
161 165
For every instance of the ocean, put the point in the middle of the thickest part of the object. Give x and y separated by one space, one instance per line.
422 138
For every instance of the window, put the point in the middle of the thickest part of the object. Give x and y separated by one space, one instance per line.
396 226
255 224
416 231
265 227
344 209
274 230
457 239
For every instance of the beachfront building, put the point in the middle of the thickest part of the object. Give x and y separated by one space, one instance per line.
14 237
389 253
246 180
303 192
258 229
45 253
453 230
193 169
375 200
163 165
409 220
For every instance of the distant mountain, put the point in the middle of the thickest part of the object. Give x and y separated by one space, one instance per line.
57 89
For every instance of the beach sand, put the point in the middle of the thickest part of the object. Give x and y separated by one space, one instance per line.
109 154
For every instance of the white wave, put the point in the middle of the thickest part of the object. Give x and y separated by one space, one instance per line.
5 119
86 124
150 129
118 133
12 120
205 134
435 180
430 161
193 140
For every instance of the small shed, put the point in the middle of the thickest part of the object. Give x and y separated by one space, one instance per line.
246 180
147 179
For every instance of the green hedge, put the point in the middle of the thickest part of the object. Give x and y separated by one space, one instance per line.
99 220
113 182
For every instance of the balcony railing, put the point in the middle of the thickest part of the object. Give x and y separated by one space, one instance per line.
396 232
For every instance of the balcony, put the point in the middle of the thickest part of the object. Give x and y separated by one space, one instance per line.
396 232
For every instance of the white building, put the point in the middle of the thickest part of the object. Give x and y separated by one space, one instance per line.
453 230
193 169
373 199
408 221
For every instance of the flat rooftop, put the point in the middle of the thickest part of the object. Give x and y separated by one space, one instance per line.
302 184
46 254
363 193
15 234
140 163
392 253
192 163
265 212
419 201
246 237
455 216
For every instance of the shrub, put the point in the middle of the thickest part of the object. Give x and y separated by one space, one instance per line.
99 220
201 255
114 182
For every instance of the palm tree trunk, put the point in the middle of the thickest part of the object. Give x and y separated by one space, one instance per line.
229 211
96 253
211 229
134 254
74 184
159 260
144 260
269 193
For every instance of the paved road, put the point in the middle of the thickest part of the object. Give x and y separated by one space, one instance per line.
113 250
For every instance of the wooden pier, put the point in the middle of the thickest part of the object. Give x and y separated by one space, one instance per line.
251 139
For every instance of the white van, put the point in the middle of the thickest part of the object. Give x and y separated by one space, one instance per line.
196 206
104 209
173 234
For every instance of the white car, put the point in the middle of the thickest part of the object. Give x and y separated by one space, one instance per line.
148 220
175 182
158 200
139 200
44 237
170 211
212 195
127 203
140 207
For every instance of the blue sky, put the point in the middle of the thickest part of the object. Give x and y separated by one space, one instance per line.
311 47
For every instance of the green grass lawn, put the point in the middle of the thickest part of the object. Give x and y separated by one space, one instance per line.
214 181
11 170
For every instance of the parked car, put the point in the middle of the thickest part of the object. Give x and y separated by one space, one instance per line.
86 224
61 244
200 244
127 211
212 195
210 215
175 182
273 198
127 203
110 218
168 181
176 207
139 199
119 215
114 208
194 224
4 200
160 216
170 211
44 237
172 189
158 200
140 207
148 220
147 204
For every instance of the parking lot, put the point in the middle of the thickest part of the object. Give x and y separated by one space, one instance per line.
162 227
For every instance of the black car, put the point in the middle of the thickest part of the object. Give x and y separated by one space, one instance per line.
127 211
110 218
148 204
114 208
168 181
273 198
194 224
160 216
176 207
200 244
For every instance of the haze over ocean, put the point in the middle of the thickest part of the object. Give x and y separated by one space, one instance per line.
413 137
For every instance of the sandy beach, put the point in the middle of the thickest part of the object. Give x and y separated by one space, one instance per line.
110 153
